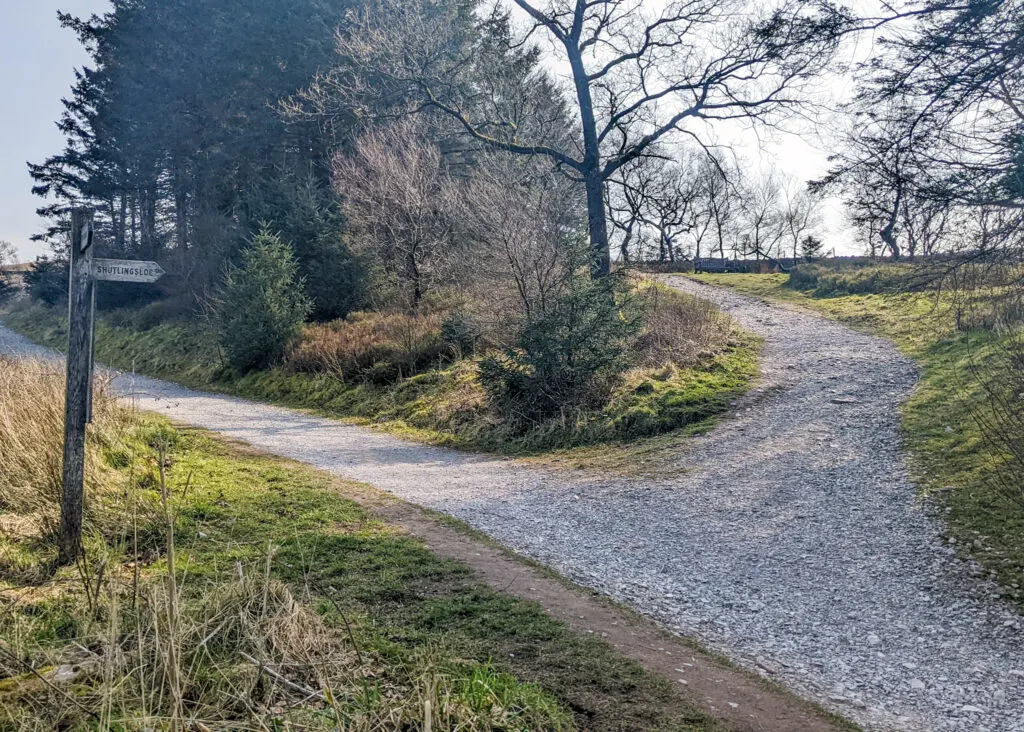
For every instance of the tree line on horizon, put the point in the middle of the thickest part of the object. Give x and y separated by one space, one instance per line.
198 123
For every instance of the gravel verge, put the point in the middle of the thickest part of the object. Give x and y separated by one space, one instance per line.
791 539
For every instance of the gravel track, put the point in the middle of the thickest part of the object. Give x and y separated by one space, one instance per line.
791 540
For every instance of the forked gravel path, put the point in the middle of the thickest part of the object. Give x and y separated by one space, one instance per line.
791 540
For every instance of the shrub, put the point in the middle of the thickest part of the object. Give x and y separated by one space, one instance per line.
377 347
180 309
460 334
7 290
47 281
568 358
878 278
262 306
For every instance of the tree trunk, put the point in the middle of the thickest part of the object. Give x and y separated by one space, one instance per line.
888 231
148 221
600 256
122 226
180 212
414 275
597 222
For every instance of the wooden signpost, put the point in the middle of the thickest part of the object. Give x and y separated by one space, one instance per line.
85 271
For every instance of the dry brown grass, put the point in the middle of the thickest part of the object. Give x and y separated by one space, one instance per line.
380 347
681 329
151 631
32 438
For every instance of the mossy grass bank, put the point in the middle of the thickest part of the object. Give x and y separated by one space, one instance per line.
443 403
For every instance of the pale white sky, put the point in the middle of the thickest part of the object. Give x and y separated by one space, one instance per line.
37 62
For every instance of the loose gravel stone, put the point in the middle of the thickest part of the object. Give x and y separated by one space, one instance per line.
789 540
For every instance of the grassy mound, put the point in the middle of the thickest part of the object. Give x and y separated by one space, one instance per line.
354 369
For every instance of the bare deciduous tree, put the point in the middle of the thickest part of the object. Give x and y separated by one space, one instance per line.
638 76
524 226
763 220
626 194
8 254
800 214
670 207
722 192
877 171
398 199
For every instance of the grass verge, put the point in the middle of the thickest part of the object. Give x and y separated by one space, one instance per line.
954 463
292 605
445 405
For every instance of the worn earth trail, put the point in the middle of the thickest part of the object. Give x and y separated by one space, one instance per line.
790 539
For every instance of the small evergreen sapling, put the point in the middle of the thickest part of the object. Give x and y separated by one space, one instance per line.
263 304
811 248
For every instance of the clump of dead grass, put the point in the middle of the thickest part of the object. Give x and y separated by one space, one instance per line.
680 329
379 347
240 653
32 439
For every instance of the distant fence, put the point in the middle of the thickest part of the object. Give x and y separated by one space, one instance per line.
708 264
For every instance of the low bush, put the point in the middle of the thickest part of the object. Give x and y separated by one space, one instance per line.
461 335
376 347
828 281
262 306
182 309
568 358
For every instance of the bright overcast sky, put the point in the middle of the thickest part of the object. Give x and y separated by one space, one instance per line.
37 62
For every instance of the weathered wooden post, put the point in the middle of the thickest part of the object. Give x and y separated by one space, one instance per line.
79 376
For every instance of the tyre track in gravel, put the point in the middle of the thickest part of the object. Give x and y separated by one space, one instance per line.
791 539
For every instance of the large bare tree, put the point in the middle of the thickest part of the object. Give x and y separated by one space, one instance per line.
638 73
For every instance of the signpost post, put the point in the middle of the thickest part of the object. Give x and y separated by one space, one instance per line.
85 271
80 301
